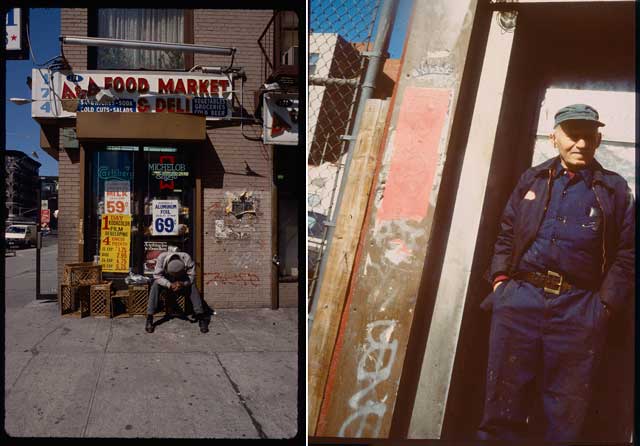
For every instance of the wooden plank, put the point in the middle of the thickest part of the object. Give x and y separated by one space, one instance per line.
438 361
369 355
340 261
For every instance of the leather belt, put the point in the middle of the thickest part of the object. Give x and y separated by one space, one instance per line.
552 282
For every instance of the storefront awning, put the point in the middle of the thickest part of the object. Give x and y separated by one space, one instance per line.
138 127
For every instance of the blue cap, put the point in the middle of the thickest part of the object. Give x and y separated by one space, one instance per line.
581 112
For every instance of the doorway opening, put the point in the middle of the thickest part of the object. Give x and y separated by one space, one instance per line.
154 185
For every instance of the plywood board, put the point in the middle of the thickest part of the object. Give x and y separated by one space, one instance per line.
332 291
365 373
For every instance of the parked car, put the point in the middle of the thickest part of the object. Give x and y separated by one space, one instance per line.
23 235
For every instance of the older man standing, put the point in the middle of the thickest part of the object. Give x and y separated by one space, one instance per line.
563 267
176 272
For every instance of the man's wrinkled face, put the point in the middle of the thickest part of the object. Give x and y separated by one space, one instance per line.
577 141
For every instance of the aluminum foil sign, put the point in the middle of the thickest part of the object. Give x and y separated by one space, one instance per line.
63 94
164 217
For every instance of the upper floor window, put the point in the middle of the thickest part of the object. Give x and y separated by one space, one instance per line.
288 37
158 25
313 62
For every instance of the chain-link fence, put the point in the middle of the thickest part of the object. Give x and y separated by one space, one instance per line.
340 34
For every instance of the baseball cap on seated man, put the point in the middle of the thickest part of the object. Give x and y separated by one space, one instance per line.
582 112
175 267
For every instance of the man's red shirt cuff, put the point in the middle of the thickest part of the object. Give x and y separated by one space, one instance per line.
500 278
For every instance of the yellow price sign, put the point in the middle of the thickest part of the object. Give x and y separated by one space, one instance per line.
115 242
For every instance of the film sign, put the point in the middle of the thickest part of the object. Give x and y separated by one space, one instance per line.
115 242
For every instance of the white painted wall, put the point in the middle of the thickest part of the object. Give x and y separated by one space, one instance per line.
323 44
617 111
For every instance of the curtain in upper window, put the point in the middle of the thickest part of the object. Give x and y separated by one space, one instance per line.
158 25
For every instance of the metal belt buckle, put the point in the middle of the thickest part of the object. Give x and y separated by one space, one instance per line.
554 290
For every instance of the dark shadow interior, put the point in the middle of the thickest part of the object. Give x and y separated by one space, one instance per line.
553 45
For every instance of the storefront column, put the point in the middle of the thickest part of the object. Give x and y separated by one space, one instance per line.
81 194
198 227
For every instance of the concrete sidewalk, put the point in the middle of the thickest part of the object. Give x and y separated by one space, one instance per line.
93 377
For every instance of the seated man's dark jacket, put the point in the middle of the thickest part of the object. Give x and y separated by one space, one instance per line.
522 218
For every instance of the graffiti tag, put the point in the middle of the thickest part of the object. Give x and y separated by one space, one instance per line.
372 369
232 278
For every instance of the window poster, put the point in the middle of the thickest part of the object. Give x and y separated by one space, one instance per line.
151 252
117 197
164 217
169 171
115 242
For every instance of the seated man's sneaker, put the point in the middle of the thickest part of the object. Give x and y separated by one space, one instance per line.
202 322
149 325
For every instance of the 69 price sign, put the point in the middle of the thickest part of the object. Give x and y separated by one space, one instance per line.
165 217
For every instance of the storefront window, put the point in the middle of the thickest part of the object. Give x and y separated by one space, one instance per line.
151 186
289 37
158 25
168 203
113 192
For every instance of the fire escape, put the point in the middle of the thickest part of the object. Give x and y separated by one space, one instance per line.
279 45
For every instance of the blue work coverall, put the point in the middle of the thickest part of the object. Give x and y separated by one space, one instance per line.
544 348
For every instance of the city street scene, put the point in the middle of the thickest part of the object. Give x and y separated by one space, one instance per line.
471 216
151 231
100 377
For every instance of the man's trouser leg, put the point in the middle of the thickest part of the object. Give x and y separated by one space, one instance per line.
573 340
514 358
154 297
196 300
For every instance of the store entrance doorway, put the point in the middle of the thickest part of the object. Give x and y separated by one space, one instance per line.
153 187
550 68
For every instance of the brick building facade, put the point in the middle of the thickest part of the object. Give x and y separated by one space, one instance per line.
234 252
21 179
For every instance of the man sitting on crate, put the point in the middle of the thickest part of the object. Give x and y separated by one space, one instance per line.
176 272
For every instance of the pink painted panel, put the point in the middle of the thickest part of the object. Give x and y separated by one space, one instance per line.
415 154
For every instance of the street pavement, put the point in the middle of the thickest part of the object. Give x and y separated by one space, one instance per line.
20 273
98 377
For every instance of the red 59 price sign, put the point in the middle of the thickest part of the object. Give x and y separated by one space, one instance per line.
165 217
116 207
117 197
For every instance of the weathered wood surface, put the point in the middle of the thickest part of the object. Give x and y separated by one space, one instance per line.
369 356
343 247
